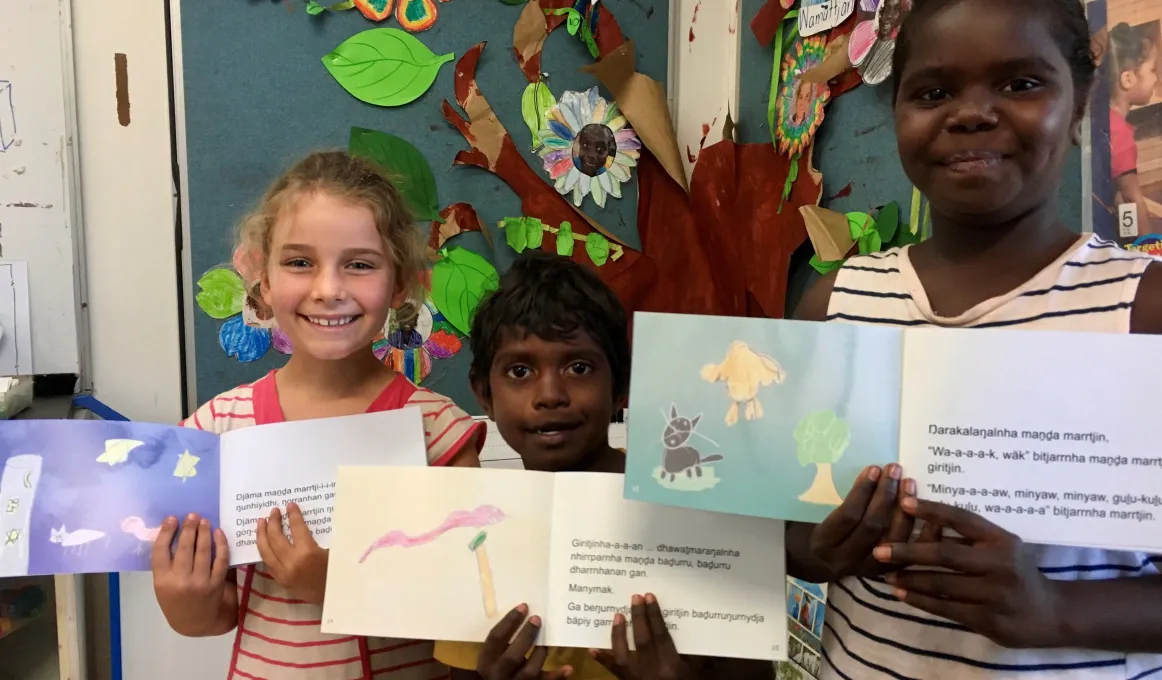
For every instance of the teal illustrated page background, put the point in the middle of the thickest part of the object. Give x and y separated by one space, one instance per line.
764 417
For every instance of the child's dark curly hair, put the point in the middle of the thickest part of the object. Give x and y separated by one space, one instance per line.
553 298
1065 19
1129 47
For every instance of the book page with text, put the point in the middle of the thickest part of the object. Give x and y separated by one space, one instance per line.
1042 433
436 553
271 465
720 579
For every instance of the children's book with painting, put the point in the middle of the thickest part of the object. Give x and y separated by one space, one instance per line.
449 551
89 496
777 418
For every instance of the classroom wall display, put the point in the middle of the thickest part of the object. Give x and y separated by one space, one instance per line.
1125 125
277 99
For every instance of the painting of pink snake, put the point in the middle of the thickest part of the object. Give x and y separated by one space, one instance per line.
483 516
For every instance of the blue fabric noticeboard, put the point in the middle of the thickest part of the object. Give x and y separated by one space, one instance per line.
258 98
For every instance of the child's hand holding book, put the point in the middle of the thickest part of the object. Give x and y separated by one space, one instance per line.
298 564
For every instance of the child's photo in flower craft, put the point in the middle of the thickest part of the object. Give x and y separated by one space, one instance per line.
593 148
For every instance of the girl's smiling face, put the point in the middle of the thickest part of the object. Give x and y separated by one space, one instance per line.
329 279
985 111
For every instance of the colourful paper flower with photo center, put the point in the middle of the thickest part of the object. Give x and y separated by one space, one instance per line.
588 147
800 103
410 349
249 329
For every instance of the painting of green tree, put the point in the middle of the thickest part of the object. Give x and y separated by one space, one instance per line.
821 438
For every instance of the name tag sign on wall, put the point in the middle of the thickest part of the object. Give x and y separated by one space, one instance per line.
816 16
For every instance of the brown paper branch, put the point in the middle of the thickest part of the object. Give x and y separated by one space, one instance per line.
458 219
643 102
534 26
493 150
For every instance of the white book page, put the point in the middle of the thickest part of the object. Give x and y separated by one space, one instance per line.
271 465
436 553
720 579
1045 434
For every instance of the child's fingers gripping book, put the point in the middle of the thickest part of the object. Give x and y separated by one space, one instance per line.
1031 430
445 553
89 496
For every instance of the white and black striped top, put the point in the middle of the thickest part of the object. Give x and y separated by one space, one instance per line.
869 634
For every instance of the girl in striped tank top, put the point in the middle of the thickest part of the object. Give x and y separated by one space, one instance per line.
989 97
332 249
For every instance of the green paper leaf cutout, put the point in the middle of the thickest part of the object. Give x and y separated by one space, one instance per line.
904 237
516 234
314 8
460 280
888 221
413 175
565 240
597 247
574 22
825 266
534 232
534 104
385 66
222 294
858 223
822 438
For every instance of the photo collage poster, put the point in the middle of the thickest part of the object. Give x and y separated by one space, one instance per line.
1123 153
806 605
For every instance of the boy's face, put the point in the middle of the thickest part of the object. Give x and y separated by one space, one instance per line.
551 401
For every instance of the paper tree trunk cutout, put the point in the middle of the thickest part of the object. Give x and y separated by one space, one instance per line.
822 438
721 248
487 589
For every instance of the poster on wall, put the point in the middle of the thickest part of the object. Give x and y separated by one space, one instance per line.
806 605
1124 149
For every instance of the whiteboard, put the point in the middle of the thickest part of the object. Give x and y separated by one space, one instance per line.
39 182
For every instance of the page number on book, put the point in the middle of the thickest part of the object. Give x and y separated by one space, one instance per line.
1128 220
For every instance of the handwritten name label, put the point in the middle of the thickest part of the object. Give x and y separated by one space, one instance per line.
823 16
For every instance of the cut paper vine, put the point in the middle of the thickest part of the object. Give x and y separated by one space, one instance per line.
523 233
589 148
837 236
249 329
413 336
873 41
384 66
581 21
412 15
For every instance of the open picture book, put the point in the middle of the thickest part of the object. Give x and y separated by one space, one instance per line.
1040 432
89 496
449 551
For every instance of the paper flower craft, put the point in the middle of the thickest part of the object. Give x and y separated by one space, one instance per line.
409 348
588 147
250 329
800 103
873 40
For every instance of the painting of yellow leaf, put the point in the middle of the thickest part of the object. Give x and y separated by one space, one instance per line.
117 451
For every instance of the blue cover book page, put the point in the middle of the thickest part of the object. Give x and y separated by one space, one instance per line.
764 417
88 496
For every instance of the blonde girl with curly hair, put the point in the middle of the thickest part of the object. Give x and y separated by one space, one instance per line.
331 250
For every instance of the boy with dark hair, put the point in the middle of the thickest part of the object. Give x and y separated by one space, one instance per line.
550 366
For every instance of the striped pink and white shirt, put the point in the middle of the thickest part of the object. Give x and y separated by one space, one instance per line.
278 636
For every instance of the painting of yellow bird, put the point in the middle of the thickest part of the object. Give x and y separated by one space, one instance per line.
744 371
